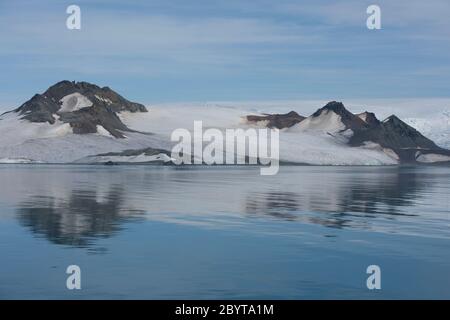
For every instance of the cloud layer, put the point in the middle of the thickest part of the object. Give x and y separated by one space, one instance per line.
228 50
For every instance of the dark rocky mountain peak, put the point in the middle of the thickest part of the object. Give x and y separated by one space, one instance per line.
395 121
42 107
84 105
335 106
350 120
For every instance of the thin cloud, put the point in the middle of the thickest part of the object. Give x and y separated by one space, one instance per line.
255 49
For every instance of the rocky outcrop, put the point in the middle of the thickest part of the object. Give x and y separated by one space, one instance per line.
146 155
279 121
136 152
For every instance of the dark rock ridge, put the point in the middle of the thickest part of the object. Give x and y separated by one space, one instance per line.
350 120
392 133
278 121
130 153
136 152
369 118
103 109
395 134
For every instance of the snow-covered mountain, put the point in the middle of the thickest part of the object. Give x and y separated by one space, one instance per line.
78 122
85 107
70 121
391 137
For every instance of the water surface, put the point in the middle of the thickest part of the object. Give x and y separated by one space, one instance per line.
159 232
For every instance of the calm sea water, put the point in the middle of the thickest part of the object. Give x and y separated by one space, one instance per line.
224 232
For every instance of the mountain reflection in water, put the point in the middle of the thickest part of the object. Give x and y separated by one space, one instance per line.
75 205
77 220
357 197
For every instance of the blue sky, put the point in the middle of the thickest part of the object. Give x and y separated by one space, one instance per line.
178 50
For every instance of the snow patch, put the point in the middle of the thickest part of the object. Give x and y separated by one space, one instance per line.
74 102
103 132
431 157
363 117
327 121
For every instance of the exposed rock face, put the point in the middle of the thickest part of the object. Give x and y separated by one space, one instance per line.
369 118
399 134
394 136
278 121
85 106
39 108
350 120
146 155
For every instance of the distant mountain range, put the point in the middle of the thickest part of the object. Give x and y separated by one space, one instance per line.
79 122
394 136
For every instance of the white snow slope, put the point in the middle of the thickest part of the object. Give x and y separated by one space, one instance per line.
21 141
317 142
314 141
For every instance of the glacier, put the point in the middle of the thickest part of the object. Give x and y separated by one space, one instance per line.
312 141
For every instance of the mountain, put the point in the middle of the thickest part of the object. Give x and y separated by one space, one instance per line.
396 135
393 133
86 107
79 122
391 136
70 121
335 112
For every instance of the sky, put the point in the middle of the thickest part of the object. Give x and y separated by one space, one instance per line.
159 51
